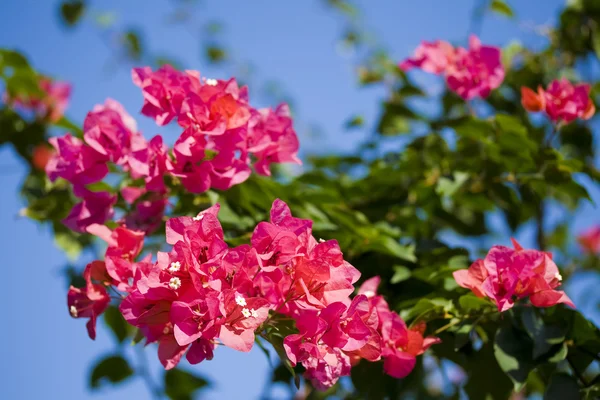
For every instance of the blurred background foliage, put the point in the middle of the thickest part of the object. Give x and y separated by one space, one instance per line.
421 197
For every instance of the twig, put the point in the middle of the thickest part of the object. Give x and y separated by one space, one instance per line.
576 371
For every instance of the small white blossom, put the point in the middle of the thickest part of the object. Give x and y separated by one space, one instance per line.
240 300
175 283
254 313
198 217
73 311
321 240
211 82
369 293
175 266
245 312
558 276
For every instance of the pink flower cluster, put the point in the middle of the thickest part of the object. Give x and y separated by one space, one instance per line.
506 275
222 136
470 73
50 105
562 101
203 293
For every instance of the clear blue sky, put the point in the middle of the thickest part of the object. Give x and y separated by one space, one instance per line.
45 353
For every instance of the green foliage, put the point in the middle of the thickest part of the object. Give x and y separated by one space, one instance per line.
71 11
181 385
113 369
392 210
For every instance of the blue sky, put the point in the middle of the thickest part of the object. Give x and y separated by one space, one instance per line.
45 352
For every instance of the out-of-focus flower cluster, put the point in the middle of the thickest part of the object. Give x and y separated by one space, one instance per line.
470 73
203 293
561 101
222 138
48 105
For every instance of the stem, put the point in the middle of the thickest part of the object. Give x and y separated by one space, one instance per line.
142 370
577 373
447 326
539 218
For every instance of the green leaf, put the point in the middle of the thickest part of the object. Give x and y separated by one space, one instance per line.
389 245
113 369
401 273
596 43
469 303
513 350
67 242
132 44
72 11
561 387
544 336
355 122
101 187
215 54
447 187
500 7
181 385
117 324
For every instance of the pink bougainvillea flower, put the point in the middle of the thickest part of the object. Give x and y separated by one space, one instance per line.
75 162
433 57
272 139
562 101
95 208
164 91
506 275
401 346
475 72
147 215
470 73
590 240
108 130
91 300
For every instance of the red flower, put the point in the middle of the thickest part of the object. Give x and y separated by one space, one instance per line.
562 101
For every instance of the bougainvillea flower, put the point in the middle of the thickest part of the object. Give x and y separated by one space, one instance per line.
470 73
147 215
75 162
91 300
96 208
590 240
475 72
433 57
164 91
562 101
402 345
272 139
108 129
506 275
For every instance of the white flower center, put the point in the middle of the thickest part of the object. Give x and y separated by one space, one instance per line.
558 276
73 311
246 313
211 82
175 266
240 300
175 283
321 240
198 217
369 293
